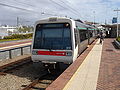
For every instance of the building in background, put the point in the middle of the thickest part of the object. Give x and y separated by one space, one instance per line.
111 30
7 30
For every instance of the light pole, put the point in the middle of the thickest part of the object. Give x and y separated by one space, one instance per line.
43 13
17 24
94 22
117 21
94 17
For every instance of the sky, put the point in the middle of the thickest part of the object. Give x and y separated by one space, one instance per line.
29 11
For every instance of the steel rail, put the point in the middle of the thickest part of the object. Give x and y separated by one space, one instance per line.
13 65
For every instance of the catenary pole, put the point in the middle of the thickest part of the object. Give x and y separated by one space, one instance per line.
117 21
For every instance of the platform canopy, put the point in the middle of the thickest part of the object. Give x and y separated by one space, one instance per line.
111 25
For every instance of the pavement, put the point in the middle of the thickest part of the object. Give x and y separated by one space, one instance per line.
14 46
109 71
97 70
11 43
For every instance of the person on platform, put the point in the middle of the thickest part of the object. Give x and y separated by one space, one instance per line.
101 37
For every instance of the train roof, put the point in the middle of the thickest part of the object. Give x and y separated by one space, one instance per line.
78 22
54 19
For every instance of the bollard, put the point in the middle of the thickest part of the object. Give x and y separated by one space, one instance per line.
10 54
21 50
30 48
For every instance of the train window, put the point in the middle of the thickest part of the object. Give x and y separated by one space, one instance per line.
83 35
53 36
91 33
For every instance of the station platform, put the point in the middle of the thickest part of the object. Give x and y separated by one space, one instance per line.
98 68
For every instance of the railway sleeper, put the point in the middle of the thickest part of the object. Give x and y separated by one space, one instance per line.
3 73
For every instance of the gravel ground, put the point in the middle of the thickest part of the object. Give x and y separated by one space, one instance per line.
22 76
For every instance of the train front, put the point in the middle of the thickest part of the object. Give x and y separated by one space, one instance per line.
52 41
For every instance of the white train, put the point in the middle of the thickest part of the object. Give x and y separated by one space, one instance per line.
60 40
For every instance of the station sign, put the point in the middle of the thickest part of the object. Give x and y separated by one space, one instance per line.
114 20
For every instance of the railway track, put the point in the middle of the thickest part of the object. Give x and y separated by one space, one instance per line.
20 74
10 66
42 82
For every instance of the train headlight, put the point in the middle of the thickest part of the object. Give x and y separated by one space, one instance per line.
68 53
34 52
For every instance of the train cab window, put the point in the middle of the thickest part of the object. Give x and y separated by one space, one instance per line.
56 36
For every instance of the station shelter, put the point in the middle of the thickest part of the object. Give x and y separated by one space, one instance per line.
111 30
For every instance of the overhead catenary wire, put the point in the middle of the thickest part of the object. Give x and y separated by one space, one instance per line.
60 5
36 12
72 10
19 8
23 3
2 4
57 3
23 9
69 6
72 7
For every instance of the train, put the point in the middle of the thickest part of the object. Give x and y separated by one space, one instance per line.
60 40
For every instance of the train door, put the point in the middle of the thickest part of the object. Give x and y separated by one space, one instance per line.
83 38
88 36
76 36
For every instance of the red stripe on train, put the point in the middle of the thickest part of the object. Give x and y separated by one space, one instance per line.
54 53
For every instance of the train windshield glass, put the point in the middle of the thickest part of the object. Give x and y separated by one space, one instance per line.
54 36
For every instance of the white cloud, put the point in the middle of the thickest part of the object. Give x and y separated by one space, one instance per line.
82 9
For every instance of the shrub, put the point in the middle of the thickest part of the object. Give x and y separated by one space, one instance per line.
118 39
19 36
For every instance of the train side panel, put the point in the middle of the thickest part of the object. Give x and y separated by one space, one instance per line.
83 46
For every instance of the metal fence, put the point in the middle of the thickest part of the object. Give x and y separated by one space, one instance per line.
14 52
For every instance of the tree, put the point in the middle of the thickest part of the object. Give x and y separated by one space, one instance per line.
25 28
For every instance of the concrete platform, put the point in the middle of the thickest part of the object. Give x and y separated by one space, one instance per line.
97 70
85 78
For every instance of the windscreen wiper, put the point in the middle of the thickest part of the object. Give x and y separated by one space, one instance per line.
51 44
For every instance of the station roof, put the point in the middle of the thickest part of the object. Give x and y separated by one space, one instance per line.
111 25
